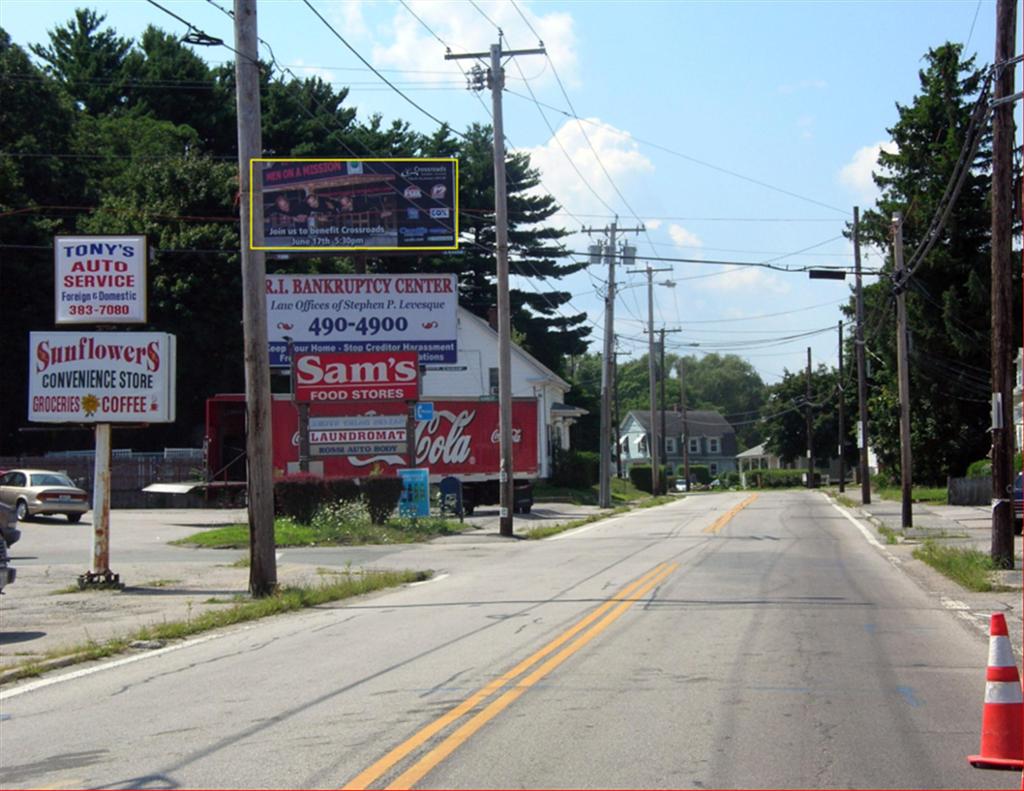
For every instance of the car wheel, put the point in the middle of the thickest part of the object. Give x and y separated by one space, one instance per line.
21 509
74 518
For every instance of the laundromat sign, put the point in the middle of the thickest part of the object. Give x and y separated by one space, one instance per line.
101 377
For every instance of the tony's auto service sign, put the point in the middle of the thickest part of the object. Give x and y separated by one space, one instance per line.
99 279
101 377
368 376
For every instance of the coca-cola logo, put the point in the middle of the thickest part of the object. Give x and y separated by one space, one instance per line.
517 436
433 445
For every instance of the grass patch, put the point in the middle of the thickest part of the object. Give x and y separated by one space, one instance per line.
550 530
969 568
622 490
338 524
891 536
936 495
286 599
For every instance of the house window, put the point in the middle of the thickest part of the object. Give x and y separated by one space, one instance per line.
670 445
714 445
641 446
695 445
713 468
492 381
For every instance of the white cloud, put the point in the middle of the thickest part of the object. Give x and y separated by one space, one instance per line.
615 150
652 225
802 85
683 237
855 175
746 279
412 47
348 16
805 123
304 71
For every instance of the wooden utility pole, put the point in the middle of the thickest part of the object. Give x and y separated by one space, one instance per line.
260 480
862 383
809 418
608 367
496 82
1002 287
604 497
842 416
906 469
686 424
652 433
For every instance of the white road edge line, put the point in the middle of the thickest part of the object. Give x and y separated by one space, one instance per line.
88 671
438 578
868 537
958 608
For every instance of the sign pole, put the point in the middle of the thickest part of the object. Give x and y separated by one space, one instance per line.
100 573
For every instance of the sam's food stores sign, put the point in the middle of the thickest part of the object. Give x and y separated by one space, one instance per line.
101 377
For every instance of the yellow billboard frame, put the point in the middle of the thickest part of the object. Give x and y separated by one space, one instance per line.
455 208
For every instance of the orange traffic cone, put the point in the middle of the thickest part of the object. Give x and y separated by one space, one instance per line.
1002 721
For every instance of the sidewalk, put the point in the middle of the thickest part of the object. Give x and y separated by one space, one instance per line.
43 610
952 525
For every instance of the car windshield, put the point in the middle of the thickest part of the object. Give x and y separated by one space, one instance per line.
50 479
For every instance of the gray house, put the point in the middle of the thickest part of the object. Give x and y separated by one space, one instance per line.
712 441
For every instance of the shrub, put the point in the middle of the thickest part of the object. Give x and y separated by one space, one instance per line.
381 496
775 479
640 475
576 469
980 469
701 472
300 495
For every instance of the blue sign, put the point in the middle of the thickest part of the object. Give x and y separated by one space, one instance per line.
415 497
424 410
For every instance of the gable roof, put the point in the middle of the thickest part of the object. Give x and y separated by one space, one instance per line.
465 314
699 421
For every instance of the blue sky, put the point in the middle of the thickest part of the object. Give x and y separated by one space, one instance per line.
741 131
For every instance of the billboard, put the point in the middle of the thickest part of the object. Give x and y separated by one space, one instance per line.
99 279
367 376
461 439
363 313
364 204
101 377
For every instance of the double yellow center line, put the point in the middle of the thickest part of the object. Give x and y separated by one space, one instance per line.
555 653
716 526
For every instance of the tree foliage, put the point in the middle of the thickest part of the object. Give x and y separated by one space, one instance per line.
948 301
112 136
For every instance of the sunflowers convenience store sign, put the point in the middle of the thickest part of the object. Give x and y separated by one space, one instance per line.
101 377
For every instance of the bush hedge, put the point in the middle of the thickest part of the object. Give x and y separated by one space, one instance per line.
576 469
381 496
300 495
775 479
640 475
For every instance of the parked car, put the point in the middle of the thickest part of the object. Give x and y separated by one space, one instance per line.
1018 503
9 531
42 492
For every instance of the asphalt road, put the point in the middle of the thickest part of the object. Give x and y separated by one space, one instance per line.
717 642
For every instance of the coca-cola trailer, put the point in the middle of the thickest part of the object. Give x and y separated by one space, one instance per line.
461 440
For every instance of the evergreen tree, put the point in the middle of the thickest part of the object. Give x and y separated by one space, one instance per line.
948 297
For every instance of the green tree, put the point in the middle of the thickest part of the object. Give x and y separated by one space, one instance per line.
786 424
948 297
87 61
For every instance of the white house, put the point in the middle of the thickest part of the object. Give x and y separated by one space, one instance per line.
475 375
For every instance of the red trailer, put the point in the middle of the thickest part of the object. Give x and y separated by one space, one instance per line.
462 440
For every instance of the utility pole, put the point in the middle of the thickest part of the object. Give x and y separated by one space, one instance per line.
496 82
260 480
653 390
906 477
842 416
1002 286
664 400
810 425
604 498
686 424
862 384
